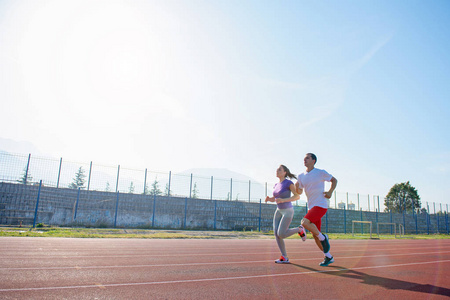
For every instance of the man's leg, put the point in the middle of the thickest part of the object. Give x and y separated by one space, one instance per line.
318 242
315 232
310 226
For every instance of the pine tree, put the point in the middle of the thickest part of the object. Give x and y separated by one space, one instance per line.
26 178
155 191
108 188
195 191
131 188
79 180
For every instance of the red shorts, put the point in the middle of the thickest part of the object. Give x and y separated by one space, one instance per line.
315 215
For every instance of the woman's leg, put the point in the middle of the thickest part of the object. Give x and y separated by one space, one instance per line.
281 221
283 229
276 224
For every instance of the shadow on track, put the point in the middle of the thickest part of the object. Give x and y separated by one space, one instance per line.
388 283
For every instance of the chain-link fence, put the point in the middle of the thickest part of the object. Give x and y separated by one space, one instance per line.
29 170
88 176
25 205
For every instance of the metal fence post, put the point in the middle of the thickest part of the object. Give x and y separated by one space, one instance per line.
28 167
358 201
153 212
249 188
446 221
231 189
379 203
415 220
37 201
117 206
428 219
347 199
59 172
376 216
404 221
374 203
345 221
170 179
190 188
361 223
215 214
260 211
89 178
211 188
76 205
437 219
117 182
185 212
145 182
390 215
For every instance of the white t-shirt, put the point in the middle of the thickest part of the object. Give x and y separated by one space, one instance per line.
314 185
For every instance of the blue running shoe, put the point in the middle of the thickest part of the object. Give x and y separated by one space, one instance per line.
327 261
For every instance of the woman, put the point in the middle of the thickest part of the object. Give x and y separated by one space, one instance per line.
285 211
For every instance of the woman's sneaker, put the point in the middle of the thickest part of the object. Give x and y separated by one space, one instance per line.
302 233
282 260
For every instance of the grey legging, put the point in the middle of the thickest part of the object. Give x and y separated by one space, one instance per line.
281 221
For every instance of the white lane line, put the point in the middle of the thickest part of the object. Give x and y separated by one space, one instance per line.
40 255
215 279
204 264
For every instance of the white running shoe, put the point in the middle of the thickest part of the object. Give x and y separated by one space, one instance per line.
283 260
302 233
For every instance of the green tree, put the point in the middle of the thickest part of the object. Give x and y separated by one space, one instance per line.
131 188
79 180
402 197
195 191
108 187
155 188
26 178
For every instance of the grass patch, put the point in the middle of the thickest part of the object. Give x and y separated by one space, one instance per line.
124 233
176 234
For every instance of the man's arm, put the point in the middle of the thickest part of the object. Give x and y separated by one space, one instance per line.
332 188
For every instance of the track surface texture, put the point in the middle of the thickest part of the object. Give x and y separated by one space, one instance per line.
70 268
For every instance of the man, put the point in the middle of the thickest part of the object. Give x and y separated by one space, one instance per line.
312 181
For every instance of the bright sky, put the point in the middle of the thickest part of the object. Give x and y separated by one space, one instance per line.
241 85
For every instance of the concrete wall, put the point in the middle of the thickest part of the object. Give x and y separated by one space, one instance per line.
66 207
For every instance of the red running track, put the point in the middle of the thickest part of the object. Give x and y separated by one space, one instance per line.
63 268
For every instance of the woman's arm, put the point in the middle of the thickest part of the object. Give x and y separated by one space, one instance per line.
270 199
299 190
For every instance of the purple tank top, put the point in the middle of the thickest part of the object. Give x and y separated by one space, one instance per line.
282 190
